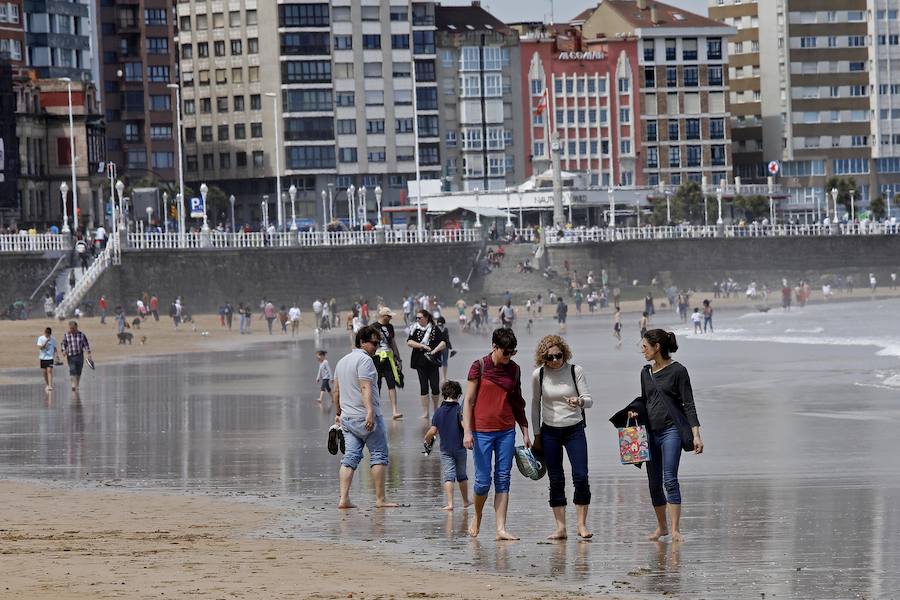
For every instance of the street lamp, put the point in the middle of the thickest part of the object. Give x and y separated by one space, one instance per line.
704 187
509 222
378 193
834 195
350 191
362 205
118 213
274 98
520 211
719 191
203 192
852 206
264 212
612 209
179 208
771 188
324 218
668 207
231 200
72 154
330 202
165 212
64 192
149 217
292 191
477 210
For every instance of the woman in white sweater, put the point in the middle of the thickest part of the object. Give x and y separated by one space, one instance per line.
559 397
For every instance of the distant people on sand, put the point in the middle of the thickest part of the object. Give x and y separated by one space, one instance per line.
47 355
644 323
387 358
562 311
707 316
427 343
75 345
323 375
666 408
697 320
617 327
448 352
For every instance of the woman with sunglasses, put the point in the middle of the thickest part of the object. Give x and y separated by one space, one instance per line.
492 407
559 397
427 341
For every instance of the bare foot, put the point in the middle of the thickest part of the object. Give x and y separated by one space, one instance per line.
448 507
584 533
677 537
346 504
398 416
559 534
657 534
386 505
474 526
502 534
425 416
466 504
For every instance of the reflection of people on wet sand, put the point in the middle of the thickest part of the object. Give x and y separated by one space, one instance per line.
358 412
447 423
493 406
666 408
559 397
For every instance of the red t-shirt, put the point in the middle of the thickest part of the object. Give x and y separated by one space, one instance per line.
499 404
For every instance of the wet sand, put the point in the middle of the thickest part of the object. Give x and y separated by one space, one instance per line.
71 544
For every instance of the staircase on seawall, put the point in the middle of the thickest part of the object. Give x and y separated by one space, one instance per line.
86 280
521 285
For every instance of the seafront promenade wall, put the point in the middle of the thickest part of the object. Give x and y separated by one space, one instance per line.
20 274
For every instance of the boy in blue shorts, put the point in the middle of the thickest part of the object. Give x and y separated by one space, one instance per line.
447 423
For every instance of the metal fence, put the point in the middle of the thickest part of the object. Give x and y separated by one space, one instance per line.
10 242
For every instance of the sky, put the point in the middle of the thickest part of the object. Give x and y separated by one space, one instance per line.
563 10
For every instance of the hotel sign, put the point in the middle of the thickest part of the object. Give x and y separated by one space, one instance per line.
591 55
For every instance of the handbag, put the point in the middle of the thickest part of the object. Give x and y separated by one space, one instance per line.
634 447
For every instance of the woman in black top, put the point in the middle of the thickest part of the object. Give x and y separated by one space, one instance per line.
427 342
666 407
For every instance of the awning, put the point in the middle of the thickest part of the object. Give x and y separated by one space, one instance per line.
486 211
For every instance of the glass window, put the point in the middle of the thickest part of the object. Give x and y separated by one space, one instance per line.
400 42
304 15
371 41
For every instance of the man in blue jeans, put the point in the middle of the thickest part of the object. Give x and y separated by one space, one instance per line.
358 411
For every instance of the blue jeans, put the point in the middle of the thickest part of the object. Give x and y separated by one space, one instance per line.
499 446
662 470
244 327
707 322
572 438
453 465
356 437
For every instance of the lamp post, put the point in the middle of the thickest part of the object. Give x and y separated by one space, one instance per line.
278 213
852 206
179 208
64 192
204 230
719 192
165 212
612 208
834 196
509 222
477 210
350 191
292 192
119 214
703 188
362 207
637 209
324 219
149 217
771 188
378 192
72 154
520 211
264 212
330 202
231 200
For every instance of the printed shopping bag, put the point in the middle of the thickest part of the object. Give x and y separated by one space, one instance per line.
633 446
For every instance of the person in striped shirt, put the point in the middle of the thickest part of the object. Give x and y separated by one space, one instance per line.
74 345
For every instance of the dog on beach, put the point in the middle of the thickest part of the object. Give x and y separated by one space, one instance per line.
143 340
136 323
125 337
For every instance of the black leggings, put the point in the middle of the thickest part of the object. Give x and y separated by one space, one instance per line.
429 374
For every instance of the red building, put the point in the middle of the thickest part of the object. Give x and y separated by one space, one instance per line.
586 94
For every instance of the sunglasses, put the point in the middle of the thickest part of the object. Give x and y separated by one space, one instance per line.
552 357
509 352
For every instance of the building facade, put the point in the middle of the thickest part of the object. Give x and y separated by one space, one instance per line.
684 129
59 38
814 86
138 62
12 33
480 119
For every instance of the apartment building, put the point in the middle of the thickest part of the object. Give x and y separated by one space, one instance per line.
12 33
584 91
816 86
137 58
478 61
228 57
58 36
683 132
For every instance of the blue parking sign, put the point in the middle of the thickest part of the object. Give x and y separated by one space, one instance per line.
197 208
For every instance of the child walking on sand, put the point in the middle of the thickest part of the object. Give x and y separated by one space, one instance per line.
447 423
323 377
697 320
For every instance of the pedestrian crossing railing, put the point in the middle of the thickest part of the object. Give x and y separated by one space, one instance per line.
241 240
104 259
42 242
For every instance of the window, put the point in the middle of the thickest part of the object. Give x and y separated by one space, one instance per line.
689 49
222 104
189 108
187 51
400 42
347 155
402 70
258 159
346 126
650 129
649 51
256 130
202 22
209 161
402 97
203 50
318 71
426 98
343 71
671 77
624 115
191 163
135 159
303 15
403 125
222 133
240 159
218 21
650 77
184 24
219 48
252 45
425 71
341 42
237 75
715 76
428 126
376 154
625 146
493 58
240 131
345 99
714 48
670 49
493 85
450 138
857 66
234 18
224 160
255 102
623 83
399 13
851 166
309 128
808 41
237 47
157 45
429 154
691 76
205 106
694 155
371 13
674 156
652 157
158 73
717 129
471 139
131 132
221 76
858 90
374 126
856 41
154 16
371 41
162 102
372 70
306 100
673 130
423 42
133 71
341 14
190 135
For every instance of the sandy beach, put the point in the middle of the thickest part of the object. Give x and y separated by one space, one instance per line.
69 544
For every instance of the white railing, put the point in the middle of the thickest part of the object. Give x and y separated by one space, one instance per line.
42 242
217 239
102 261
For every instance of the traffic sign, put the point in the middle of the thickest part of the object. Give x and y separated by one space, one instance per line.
197 208
774 167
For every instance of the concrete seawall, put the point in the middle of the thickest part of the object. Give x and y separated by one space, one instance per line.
20 274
